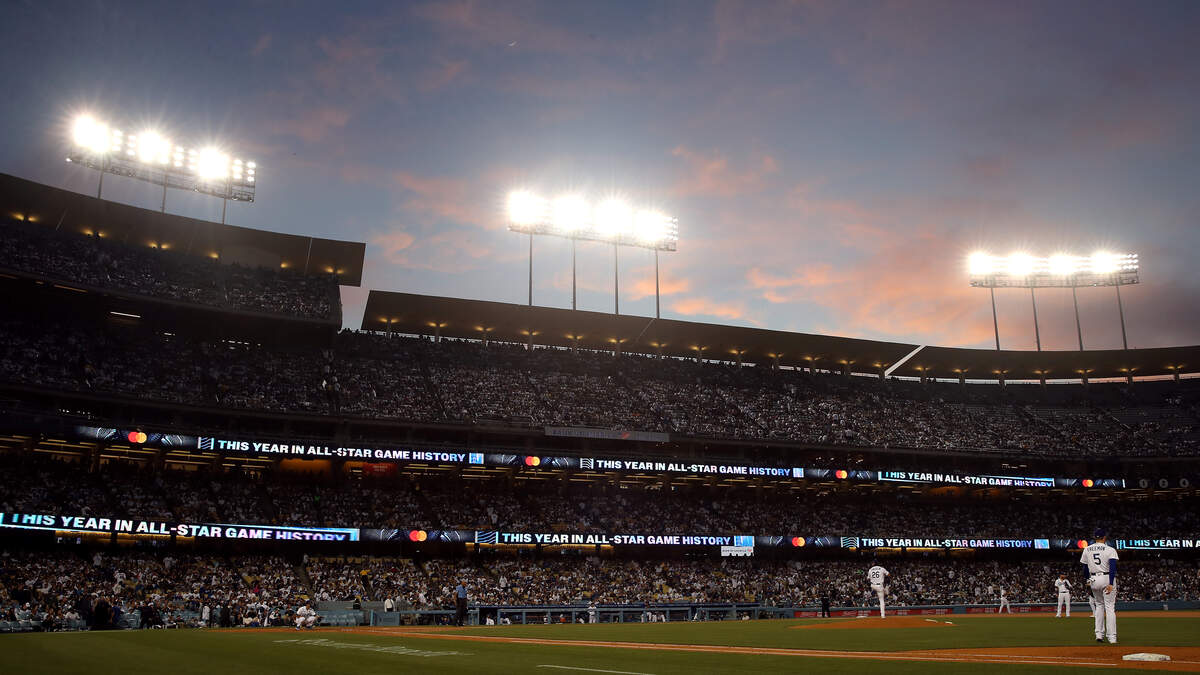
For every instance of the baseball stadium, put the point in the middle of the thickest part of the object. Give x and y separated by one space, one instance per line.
743 411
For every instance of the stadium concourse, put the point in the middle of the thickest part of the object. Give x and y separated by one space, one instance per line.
189 438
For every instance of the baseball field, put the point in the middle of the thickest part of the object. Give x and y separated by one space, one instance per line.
989 643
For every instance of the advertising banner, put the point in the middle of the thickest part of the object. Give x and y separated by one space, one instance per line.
92 524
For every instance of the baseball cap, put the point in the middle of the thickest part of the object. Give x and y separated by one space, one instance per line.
1100 532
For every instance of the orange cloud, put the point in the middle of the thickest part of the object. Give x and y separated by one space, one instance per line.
820 274
393 244
261 45
705 307
643 285
711 174
446 198
443 74
315 124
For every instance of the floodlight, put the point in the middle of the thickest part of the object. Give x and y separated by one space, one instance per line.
212 164
980 264
1020 265
90 134
524 208
570 213
650 226
614 217
152 148
1103 262
1061 265
149 156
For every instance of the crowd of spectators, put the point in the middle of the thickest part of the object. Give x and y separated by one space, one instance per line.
415 380
192 589
403 501
96 261
63 589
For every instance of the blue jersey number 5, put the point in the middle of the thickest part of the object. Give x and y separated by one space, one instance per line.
1096 557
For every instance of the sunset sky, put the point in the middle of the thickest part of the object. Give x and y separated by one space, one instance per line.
831 164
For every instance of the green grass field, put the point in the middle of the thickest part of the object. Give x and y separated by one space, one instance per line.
214 652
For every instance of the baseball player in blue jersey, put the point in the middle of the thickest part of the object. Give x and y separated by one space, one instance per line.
1100 562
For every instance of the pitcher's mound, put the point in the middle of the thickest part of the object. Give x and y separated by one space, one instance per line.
875 622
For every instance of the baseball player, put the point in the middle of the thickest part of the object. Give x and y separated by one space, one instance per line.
1064 595
1004 602
877 577
306 617
1100 562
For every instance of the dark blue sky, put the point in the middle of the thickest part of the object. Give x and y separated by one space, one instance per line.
831 163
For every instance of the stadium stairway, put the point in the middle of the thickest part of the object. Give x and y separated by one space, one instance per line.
302 574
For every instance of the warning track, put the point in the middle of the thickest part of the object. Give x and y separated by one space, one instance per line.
1100 656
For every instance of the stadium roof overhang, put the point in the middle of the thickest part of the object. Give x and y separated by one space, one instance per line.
474 319
63 209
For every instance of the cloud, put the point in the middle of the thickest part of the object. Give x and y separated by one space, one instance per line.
898 282
261 45
710 174
764 22
451 251
443 74
451 199
701 306
313 125
393 245
811 276
643 284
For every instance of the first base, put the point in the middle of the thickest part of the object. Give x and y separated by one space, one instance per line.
1146 656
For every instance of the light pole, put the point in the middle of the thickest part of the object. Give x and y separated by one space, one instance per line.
612 221
1078 327
616 274
148 156
656 300
1121 313
1020 270
1037 335
995 321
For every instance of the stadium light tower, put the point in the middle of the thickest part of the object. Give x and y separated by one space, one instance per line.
1061 270
150 156
612 221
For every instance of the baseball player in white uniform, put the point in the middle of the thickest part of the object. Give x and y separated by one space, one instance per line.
877 577
1064 595
306 617
1100 561
1004 602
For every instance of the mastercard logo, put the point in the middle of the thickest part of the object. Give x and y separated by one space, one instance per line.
1082 543
1088 482
418 535
136 436
798 541
532 461
841 473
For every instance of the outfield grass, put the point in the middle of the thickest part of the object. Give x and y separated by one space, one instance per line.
219 652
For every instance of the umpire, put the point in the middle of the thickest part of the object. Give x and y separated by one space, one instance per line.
460 604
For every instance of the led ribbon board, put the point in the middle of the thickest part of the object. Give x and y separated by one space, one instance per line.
91 524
